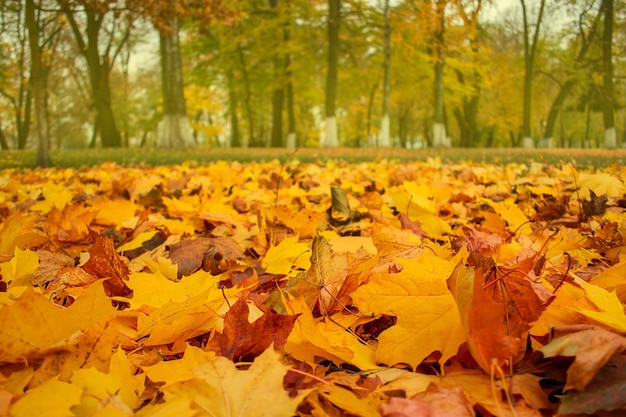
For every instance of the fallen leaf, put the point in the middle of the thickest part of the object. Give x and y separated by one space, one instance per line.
243 339
49 327
53 398
428 319
591 349
222 390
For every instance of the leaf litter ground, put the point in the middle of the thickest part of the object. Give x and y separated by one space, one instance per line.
301 288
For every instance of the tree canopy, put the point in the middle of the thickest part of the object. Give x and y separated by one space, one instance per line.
410 73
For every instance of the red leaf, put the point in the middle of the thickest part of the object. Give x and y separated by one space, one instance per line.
243 341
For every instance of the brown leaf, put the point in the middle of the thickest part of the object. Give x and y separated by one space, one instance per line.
213 254
596 206
50 266
434 402
104 262
243 340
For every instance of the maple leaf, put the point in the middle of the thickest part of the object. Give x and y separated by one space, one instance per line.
49 327
176 322
19 269
591 348
115 392
104 262
498 305
428 319
53 398
222 390
244 339
434 402
311 338
213 254
287 258
71 225
18 230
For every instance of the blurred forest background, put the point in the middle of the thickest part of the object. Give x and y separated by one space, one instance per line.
305 73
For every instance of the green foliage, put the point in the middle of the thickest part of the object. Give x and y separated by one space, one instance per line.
230 73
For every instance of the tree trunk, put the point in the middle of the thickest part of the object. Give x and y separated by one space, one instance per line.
38 86
608 102
334 16
247 99
466 116
99 70
439 127
235 139
530 52
3 141
291 114
175 129
370 104
23 116
384 128
278 96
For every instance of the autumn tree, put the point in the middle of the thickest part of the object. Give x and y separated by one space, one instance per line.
15 94
469 66
96 29
575 70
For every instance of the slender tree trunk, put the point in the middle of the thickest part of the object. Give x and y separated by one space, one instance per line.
38 85
23 116
530 52
608 104
385 128
175 129
370 104
291 114
3 140
278 97
439 125
235 139
247 99
334 16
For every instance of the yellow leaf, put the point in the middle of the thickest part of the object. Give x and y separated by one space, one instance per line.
509 211
17 231
171 372
600 183
176 322
346 400
428 319
114 212
17 271
51 399
179 407
54 195
610 310
49 326
287 257
560 311
118 390
222 390
155 290
307 339
139 240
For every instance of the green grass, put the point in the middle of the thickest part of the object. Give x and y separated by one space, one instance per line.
132 156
